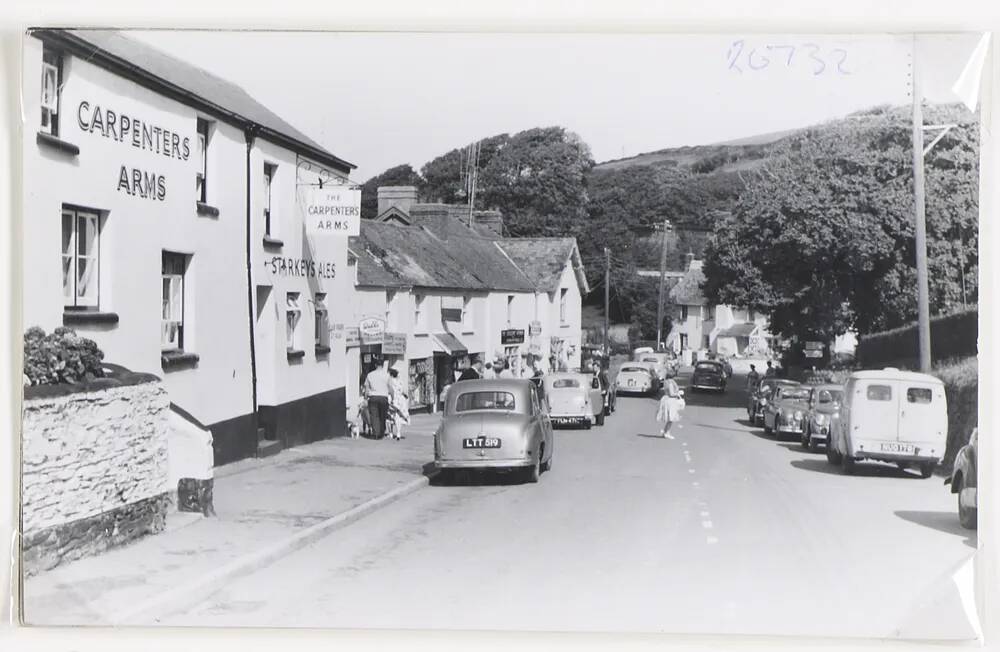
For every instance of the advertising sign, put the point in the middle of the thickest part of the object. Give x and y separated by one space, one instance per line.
334 210
535 328
512 336
352 336
394 344
371 330
814 346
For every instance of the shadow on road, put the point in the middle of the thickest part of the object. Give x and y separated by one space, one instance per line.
796 447
861 469
940 521
641 434
712 426
476 478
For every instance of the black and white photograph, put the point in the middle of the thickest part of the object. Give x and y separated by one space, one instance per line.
521 332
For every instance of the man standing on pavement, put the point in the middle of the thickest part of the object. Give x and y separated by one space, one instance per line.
377 391
771 371
753 378
474 372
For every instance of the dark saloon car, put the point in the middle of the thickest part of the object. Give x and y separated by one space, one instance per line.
709 374
824 407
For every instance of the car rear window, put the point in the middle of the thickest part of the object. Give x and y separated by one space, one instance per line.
879 393
635 369
709 366
795 392
565 382
918 394
653 360
484 401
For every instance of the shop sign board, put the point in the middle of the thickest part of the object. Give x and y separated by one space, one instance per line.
814 346
352 336
512 336
372 330
334 210
394 344
535 328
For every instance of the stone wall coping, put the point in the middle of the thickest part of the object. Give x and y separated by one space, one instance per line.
128 379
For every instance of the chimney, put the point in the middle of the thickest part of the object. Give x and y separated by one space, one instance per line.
488 222
402 197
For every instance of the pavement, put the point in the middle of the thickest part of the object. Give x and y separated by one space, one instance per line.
722 530
265 508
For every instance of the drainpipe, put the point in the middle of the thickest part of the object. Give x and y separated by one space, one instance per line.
250 134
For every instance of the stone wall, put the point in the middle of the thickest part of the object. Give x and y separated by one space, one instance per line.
94 471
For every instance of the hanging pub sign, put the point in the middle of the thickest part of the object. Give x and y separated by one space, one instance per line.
372 330
394 344
535 328
512 336
333 210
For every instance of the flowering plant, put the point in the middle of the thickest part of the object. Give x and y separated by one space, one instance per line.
60 357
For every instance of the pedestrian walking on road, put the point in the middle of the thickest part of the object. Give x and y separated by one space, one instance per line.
399 408
377 391
668 412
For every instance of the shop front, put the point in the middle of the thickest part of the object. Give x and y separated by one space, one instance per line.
451 356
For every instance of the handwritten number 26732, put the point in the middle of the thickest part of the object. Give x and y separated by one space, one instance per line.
756 59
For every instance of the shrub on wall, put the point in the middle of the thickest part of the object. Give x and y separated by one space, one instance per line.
61 357
952 336
961 386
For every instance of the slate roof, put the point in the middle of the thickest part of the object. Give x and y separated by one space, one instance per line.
739 330
408 255
543 260
185 78
687 292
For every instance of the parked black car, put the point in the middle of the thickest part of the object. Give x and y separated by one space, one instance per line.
709 374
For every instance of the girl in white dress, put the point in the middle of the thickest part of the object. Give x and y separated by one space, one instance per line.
399 407
668 411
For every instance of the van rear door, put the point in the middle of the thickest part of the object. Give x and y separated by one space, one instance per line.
923 416
875 410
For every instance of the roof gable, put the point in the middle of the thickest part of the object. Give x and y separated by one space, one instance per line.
543 260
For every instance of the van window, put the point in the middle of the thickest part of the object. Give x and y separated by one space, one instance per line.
879 393
918 394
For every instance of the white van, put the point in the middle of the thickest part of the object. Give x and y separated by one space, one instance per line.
891 416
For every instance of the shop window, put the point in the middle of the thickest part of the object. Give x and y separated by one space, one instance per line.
510 308
172 301
467 313
322 323
270 219
562 305
419 313
81 258
202 177
293 315
52 63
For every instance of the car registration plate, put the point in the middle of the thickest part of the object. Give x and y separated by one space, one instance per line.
896 447
631 382
481 442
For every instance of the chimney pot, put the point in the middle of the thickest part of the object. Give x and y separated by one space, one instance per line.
402 197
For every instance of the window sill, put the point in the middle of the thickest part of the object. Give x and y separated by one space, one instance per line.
48 140
89 317
295 354
205 210
322 350
421 334
564 325
273 242
177 358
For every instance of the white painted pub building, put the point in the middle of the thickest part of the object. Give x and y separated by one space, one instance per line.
171 201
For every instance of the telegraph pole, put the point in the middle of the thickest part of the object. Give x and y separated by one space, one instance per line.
607 299
923 293
663 283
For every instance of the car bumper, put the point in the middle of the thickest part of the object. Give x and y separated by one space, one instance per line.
485 464
872 450
788 427
819 432
708 386
634 390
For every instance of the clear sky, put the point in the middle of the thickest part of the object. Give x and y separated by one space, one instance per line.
381 99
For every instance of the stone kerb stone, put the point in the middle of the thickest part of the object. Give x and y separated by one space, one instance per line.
94 471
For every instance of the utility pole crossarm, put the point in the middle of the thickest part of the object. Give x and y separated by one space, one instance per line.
944 129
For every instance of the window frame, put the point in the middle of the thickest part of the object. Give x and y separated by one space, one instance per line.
870 387
269 221
173 278
292 307
684 312
321 321
563 308
419 313
910 394
466 313
203 128
73 300
50 110
510 309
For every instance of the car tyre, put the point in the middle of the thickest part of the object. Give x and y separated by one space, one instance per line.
832 455
767 430
926 469
805 438
600 418
535 470
967 515
847 464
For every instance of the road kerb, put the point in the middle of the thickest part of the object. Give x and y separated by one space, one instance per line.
174 599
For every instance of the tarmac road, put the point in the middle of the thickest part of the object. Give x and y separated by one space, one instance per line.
722 530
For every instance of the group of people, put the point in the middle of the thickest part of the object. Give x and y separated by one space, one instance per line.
384 406
753 378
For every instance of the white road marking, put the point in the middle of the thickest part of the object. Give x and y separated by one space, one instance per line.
690 470
706 524
711 540
694 484
705 514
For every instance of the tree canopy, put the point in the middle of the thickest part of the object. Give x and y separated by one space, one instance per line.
822 240
400 175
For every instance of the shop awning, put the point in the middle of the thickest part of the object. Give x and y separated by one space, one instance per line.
450 344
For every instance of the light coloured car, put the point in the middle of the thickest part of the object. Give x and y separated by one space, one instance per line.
499 424
964 481
892 416
574 399
660 361
760 396
637 378
824 408
785 412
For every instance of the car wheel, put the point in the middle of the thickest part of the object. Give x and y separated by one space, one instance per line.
805 438
767 429
832 456
813 445
546 465
535 470
600 418
926 469
967 515
847 464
